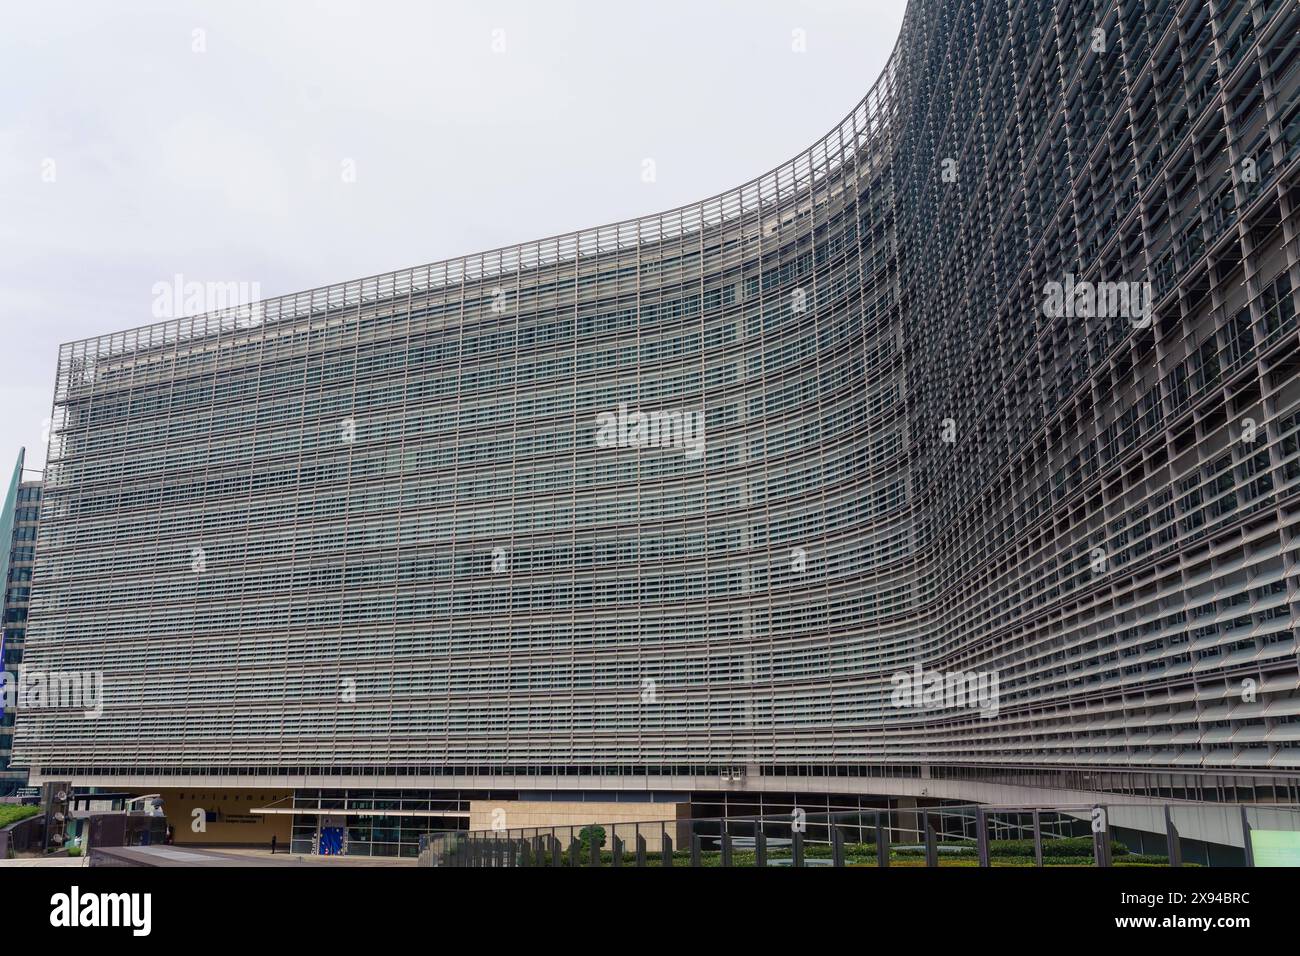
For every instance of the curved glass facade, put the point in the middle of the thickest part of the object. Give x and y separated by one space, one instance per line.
701 489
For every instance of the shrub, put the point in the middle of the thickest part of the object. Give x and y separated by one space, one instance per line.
1052 847
12 813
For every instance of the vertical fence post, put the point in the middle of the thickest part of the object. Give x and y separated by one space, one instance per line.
556 860
760 847
640 847
837 846
882 841
1101 837
666 848
726 845
1174 845
931 842
796 847
617 849
982 836
593 854
695 848
1038 838
1245 838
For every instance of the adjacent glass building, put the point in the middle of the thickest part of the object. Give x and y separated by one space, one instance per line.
370 534
18 523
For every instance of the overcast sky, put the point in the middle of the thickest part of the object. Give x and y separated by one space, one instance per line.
296 144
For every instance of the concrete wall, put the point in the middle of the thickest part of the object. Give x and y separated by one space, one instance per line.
971 791
235 823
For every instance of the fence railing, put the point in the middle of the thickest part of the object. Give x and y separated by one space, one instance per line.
976 835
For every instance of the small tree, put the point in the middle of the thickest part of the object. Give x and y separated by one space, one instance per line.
592 834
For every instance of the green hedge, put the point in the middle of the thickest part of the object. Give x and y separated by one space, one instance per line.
12 813
1052 847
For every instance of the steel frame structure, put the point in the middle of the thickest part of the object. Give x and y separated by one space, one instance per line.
365 530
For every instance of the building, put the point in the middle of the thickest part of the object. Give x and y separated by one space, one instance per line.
998 380
18 538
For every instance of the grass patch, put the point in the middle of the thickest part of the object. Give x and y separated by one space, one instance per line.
12 813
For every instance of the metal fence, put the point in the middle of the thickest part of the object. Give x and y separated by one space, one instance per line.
975 835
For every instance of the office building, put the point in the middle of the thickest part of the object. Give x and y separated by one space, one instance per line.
999 379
